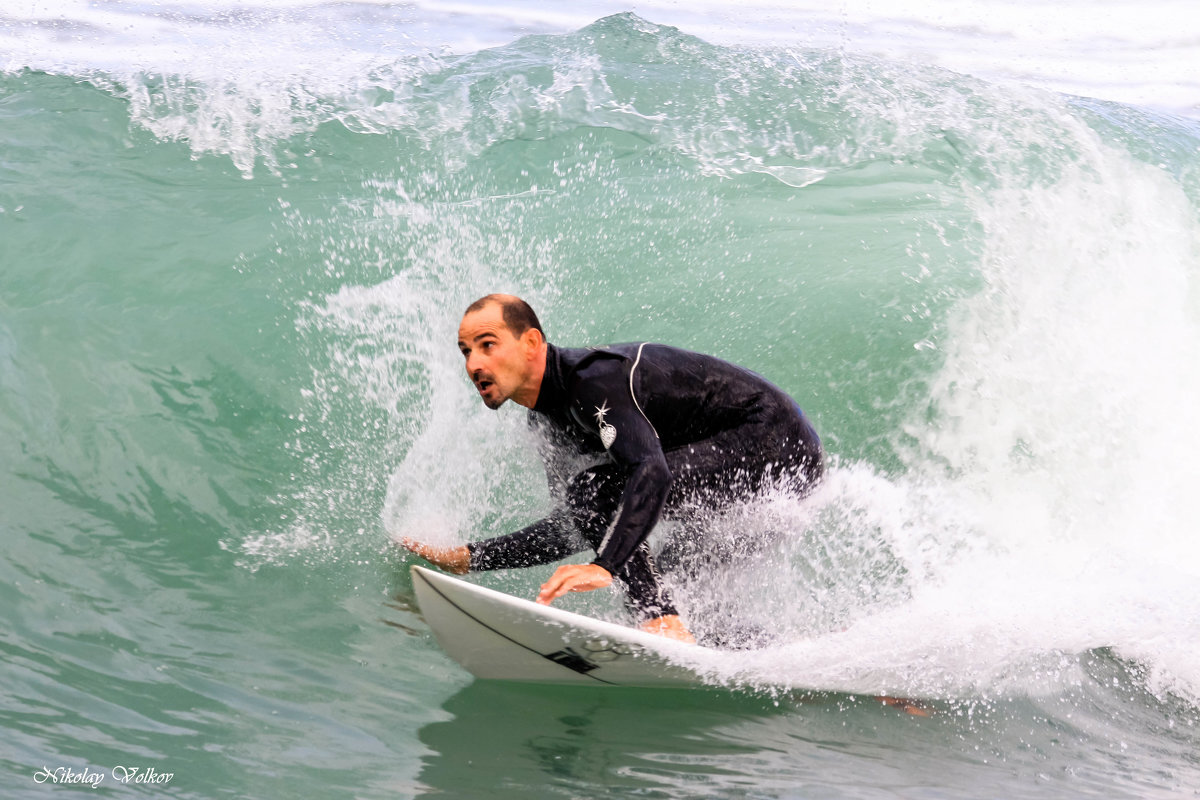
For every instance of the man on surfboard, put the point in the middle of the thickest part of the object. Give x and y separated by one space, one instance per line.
676 430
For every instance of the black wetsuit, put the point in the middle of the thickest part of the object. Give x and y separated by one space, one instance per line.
680 429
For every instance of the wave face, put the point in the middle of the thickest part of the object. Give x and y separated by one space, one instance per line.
228 295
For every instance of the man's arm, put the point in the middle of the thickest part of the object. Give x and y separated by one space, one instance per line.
546 540
641 505
451 559
603 397
605 391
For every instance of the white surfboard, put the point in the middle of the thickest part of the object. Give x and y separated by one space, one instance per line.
500 637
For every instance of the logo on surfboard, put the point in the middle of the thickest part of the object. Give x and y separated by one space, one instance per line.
595 653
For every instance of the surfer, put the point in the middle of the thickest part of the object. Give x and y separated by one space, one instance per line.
677 431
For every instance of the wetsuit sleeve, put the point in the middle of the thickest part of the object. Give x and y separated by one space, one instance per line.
603 392
544 541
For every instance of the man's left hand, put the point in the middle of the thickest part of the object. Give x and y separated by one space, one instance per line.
574 578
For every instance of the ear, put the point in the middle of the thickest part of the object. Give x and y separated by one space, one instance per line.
532 340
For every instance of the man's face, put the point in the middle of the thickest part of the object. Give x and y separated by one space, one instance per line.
497 361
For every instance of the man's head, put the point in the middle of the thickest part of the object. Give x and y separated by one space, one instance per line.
502 341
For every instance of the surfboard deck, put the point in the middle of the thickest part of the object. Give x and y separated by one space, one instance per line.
496 636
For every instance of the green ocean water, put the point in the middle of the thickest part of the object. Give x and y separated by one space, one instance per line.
228 378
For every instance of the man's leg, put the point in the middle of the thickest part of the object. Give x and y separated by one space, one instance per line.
593 499
712 475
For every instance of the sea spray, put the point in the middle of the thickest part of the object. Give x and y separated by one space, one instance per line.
1018 238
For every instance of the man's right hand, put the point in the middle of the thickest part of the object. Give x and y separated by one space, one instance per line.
451 559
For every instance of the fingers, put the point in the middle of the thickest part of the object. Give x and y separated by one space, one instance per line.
412 545
573 578
451 559
554 588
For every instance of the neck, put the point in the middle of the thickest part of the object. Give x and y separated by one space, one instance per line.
528 394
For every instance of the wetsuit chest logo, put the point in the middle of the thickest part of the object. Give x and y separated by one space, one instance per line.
608 434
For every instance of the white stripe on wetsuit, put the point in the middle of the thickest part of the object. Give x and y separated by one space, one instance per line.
638 406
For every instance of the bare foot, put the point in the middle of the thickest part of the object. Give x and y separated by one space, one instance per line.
670 626
910 707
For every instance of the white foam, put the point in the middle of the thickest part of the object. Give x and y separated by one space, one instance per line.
1049 505
1054 490
1129 51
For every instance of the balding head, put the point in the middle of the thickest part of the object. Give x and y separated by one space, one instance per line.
518 315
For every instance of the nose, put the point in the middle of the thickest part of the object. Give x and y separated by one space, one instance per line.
473 364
